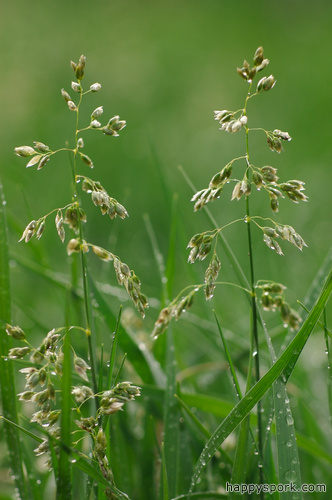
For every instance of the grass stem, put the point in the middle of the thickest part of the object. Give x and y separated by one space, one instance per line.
254 316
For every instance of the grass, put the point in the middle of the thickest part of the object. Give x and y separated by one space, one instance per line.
194 428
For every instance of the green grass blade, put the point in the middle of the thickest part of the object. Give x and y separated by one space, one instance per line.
171 407
164 470
7 380
101 366
221 408
193 417
241 458
157 255
329 363
171 418
242 455
113 351
63 482
170 264
283 366
287 451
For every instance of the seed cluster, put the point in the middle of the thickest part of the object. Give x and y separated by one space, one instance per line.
173 310
101 198
284 232
272 298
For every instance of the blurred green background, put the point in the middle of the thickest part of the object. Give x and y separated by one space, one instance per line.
164 67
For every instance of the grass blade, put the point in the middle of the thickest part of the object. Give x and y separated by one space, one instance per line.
283 366
221 408
287 451
7 381
165 476
193 417
171 419
329 364
113 352
171 408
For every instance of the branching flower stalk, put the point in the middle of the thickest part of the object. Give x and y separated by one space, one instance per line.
254 342
48 357
265 179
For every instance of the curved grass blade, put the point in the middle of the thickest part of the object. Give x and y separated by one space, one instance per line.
241 458
221 408
242 451
193 417
7 380
329 364
283 366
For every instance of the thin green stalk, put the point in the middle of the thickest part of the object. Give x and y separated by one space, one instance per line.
83 260
254 316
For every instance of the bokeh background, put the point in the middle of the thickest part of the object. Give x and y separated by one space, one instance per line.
164 67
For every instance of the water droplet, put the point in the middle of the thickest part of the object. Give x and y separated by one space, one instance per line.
290 476
4 202
278 395
286 401
294 461
289 443
289 420
254 354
